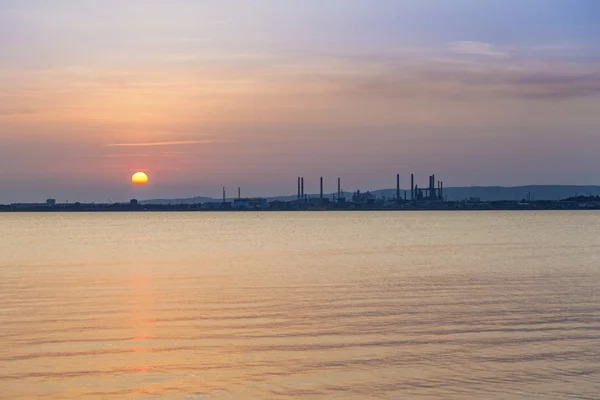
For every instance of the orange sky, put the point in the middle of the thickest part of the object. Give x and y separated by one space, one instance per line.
90 94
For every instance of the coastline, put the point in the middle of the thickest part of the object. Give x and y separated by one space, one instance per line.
200 210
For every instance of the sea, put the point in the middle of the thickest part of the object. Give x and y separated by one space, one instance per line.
300 305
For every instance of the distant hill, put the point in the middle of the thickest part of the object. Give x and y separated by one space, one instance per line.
491 193
485 193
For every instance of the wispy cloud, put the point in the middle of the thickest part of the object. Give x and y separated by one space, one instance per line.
477 49
435 77
174 143
142 155
16 111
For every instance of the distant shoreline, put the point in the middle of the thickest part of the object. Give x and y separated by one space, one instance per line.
359 203
297 210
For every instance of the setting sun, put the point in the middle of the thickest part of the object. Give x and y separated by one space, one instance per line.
139 179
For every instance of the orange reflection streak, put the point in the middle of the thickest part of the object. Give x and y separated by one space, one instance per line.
141 321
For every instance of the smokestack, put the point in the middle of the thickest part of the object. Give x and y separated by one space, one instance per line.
442 190
239 192
224 195
412 187
397 187
321 188
302 187
298 188
339 188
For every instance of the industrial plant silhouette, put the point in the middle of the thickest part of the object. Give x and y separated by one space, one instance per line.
432 197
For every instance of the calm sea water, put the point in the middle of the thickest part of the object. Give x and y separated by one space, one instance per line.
414 305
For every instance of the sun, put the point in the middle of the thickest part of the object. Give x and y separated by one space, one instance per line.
139 179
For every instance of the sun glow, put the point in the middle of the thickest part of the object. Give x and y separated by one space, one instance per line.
139 179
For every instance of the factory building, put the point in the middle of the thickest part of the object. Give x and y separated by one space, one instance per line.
249 204
363 198
432 193
47 204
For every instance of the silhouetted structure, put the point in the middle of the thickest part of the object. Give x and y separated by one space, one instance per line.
431 193
363 198
321 191
431 197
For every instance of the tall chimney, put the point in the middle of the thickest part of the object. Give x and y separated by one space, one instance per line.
302 187
339 188
224 195
321 188
397 187
239 192
412 187
298 188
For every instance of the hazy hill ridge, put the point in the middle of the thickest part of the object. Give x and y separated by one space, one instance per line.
485 193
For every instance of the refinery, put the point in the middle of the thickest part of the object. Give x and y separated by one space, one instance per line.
429 197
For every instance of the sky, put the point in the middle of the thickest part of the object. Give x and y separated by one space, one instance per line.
204 94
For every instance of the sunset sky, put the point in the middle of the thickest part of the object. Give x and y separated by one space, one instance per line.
203 94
